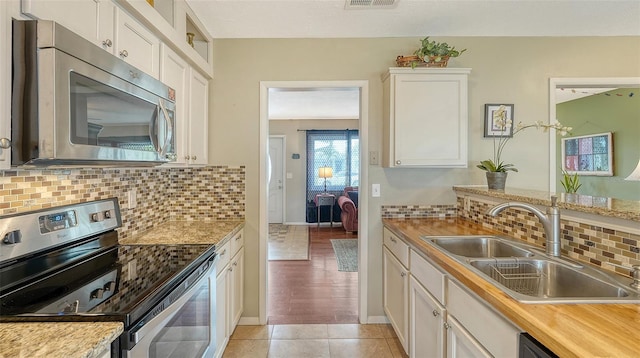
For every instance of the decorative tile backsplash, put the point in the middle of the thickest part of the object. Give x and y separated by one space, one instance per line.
205 193
585 242
418 211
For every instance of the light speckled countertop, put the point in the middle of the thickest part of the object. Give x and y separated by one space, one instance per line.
57 339
611 207
186 233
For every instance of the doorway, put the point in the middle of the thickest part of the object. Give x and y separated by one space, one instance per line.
362 87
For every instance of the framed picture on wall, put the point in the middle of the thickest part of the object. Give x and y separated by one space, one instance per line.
588 154
493 120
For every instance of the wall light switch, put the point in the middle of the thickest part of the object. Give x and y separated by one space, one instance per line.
467 203
375 190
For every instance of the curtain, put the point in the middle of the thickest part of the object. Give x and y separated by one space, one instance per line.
339 150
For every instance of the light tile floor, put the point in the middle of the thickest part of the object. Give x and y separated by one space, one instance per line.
314 340
288 242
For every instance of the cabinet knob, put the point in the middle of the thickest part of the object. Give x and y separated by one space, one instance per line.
392 240
403 274
187 157
107 43
194 157
435 313
124 53
5 143
398 162
446 325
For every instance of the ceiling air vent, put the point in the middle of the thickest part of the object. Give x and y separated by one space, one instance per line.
370 4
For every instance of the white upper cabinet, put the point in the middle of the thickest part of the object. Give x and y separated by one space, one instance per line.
197 141
5 84
192 103
136 45
106 25
425 117
171 20
91 19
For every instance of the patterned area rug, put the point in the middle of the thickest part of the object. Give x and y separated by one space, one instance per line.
346 253
288 242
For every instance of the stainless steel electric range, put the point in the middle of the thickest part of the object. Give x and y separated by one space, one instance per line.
65 264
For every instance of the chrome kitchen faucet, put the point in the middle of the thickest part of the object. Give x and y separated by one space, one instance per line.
550 221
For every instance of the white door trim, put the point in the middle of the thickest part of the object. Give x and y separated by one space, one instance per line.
363 209
283 175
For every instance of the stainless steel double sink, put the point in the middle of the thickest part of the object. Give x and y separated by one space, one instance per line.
530 276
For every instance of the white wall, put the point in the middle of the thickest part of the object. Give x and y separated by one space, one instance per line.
505 70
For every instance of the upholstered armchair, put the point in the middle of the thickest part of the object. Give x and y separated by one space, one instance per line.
348 203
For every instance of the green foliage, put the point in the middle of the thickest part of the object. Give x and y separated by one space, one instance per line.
570 183
438 49
490 166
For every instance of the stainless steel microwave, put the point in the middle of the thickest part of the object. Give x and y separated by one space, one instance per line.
74 104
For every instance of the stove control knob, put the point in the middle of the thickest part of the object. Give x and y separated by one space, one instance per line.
110 286
97 293
95 217
12 237
107 214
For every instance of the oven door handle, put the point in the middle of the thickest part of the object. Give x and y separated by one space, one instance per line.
157 322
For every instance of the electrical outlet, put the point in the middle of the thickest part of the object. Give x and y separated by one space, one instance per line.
132 199
467 203
132 269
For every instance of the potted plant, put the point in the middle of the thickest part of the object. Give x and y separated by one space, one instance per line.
570 183
496 169
430 54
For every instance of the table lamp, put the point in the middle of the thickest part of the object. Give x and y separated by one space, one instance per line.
325 172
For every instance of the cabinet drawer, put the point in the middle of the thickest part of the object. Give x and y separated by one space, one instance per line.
398 247
237 241
501 340
428 275
224 256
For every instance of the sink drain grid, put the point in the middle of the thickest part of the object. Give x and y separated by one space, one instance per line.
523 278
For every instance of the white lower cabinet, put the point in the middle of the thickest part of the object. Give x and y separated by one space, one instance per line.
229 290
461 344
434 316
426 326
396 292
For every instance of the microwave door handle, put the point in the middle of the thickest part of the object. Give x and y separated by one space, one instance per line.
152 127
167 140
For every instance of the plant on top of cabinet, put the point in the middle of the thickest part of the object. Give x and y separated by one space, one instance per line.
430 54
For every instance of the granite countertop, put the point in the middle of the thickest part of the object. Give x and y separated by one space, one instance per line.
57 339
569 330
90 339
186 233
611 207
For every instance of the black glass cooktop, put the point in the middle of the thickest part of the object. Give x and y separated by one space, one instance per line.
96 281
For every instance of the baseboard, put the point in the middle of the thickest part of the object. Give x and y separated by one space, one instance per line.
249 321
377 320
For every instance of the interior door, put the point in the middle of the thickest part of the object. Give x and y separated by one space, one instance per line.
276 180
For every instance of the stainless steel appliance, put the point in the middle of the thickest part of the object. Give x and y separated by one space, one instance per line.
75 104
65 264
